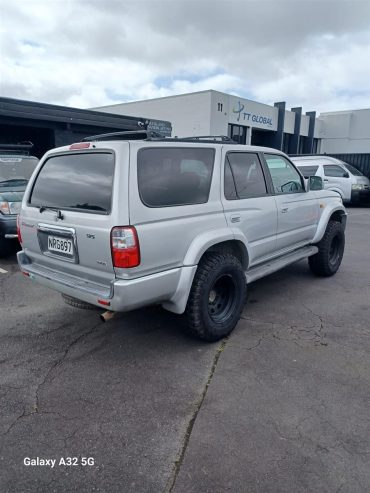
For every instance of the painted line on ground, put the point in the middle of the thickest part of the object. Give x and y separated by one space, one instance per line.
3 271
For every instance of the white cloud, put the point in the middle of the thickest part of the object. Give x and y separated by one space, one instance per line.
89 52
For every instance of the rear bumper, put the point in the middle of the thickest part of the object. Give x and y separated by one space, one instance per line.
8 225
122 295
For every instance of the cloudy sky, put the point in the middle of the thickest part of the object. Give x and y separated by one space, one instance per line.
87 53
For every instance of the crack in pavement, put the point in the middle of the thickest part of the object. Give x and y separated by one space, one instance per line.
294 333
320 334
57 363
178 462
60 362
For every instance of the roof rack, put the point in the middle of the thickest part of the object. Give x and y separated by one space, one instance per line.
125 135
22 148
207 139
150 135
213 138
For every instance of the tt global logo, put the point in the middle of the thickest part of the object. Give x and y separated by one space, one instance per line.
251 117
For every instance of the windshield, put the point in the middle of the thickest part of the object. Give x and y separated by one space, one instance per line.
81 181
16 171
352 169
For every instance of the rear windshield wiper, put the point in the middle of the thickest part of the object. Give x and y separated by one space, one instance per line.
14 180
43 208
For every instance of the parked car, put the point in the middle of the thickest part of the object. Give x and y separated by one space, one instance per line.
126 220
16 167
341 177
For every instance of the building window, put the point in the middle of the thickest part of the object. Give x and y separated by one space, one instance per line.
237 133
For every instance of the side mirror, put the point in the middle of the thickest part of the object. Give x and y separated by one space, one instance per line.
346 175
315 183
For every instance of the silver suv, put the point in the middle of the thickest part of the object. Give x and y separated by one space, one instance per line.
122 221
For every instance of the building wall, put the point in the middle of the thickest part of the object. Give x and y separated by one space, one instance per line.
219 117
211 112
188 113
345 131
305 121
289 122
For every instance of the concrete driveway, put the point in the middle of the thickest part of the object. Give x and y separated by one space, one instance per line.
280 406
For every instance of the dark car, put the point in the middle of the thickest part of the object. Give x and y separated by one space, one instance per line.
16 168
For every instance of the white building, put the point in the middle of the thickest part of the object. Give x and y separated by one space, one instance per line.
217 113
345 132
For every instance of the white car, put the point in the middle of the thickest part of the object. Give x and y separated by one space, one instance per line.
338 176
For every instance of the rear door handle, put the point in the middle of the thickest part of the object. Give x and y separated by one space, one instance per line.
284 210
235 219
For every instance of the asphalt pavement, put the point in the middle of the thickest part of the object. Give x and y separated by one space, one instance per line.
282 405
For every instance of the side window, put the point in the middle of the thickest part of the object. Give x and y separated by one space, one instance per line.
174 176
333 170
243 176
308 171
285 177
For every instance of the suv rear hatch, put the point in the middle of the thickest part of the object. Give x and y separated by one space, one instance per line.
68 214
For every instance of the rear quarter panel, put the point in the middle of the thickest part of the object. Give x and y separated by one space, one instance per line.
166 233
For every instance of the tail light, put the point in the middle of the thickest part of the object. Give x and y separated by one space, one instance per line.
125 247
19 230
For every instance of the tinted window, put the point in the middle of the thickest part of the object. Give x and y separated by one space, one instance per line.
16 170
243 176
332 170
308 171
75 181
174 176
285 177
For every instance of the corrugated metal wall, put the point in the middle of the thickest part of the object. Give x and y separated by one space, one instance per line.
360 161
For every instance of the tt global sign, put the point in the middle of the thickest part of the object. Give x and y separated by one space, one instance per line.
246 114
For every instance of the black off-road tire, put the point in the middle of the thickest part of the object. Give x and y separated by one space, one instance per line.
217 297
327 260
78 303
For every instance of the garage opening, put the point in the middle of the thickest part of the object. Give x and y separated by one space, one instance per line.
262 137
42 138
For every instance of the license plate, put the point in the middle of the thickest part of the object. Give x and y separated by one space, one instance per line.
60 245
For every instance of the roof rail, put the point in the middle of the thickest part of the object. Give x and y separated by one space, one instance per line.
20 148
207 139
125 135
221 138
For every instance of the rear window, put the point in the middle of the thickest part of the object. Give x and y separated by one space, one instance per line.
174 176
81 181
308 171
